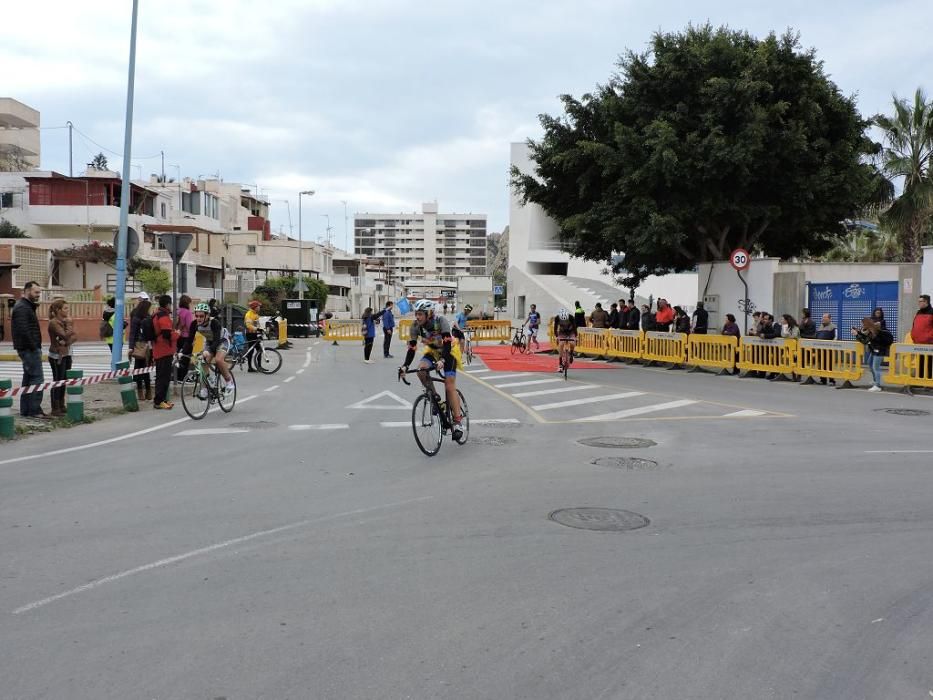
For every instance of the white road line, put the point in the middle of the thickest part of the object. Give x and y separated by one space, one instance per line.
396 424
542 392
207 550
747 413
272 388
307 361
898 452
321 426
299 371
289 379
477 371
637 411
495 421
591 399
508 376
118 438
210 431
534 381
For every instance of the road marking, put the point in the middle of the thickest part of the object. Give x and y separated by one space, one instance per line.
542 392
399 405
395 423
637 411
289 379
507 376
210 431
747 413
307 361
534 381
495 421
591 399
477 371
893 452
272 388
299 371
320 426
207 550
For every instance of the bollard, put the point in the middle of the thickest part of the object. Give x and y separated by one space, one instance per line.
283 335
74 397
127 389
6 410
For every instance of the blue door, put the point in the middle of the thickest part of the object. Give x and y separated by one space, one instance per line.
850 302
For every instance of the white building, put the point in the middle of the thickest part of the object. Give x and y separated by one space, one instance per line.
19 135
541 272
428 245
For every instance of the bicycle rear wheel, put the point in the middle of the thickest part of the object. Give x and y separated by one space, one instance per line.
191 400
270 360
465 420
469 352
426 425
225 400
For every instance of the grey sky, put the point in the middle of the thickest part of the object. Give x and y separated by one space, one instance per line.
384 103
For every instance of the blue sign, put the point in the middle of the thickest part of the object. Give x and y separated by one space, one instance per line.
498 290
403 306
850 302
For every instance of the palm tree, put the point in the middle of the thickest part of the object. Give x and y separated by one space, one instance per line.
907 153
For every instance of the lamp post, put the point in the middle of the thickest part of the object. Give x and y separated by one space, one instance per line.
327 231
301 294
346 239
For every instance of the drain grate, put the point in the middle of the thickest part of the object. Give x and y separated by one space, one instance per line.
904 411
632 464
493 440
599 519
255 425
617 442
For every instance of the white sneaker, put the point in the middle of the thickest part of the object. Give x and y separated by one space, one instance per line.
457 431
229 389
203 393
875 388
368 362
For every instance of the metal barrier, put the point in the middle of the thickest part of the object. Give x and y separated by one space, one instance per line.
664 347
712 351
591 341
491 330
347 329
772 355
624 344
403 329
910 366
830 359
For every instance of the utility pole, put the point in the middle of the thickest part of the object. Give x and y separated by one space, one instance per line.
70 150
327 230
346 238
301 293
163 166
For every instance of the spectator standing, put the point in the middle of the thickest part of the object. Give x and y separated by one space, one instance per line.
807 326
62 336
163 347
600 317
388 328
755 330
827 331
878 317
252 333
613 316
664 317
878 342
106 322
27 341
215 309
140 345
790 328
183 326
730 327
647 319
921 332
634 317
579 315
701 319
681 321
369 334
624 313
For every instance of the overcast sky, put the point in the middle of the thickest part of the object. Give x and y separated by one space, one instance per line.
383 103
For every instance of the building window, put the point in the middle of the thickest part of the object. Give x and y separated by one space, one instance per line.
251 250
162 208
205 277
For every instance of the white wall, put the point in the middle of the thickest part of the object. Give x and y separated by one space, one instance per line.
926 284
725 283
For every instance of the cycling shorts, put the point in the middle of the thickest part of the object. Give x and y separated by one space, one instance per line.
432 357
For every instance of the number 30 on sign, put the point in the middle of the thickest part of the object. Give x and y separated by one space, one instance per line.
740 259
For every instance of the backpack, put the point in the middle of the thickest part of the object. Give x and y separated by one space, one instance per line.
147 329
885 338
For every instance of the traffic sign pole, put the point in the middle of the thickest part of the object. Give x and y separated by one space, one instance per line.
740 260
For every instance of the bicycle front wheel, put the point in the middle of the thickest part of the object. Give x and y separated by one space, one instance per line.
270 360
515 346
191 396
426 424
465 419
227 400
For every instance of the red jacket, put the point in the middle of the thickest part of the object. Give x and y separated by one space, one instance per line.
165 337
922 330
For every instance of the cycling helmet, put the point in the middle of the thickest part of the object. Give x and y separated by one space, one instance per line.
467 308
425 305
563 314
203 308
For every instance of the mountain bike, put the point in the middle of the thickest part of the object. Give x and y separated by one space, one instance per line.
204 385
270 360
431 416
519 341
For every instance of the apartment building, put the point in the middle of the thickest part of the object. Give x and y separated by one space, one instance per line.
19 135
429 245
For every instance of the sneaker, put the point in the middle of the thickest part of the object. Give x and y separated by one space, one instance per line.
559 369
229 389
203 393
389 357
164 406
457 432
875 388
368 362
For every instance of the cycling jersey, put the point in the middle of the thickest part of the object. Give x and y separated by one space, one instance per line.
435 334
534 320
251 318
215 337
461 320
565 329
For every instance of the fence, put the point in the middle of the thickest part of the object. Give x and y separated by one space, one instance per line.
830 359
772 355
665 347
712 351
351 329
591 341
491 330
911 366
626 345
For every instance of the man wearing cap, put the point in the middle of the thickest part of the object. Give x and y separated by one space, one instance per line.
251 319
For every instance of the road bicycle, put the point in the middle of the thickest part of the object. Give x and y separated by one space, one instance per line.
566 355
431 416
270 360
519 341
203 386
468 345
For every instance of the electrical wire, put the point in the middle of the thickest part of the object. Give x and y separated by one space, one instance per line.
112 152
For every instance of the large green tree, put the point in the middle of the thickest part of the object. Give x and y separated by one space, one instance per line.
709 141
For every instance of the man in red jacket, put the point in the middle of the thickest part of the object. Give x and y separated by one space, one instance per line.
922 330
162 350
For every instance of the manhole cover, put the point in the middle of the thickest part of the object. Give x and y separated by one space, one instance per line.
494 440
904 411
619 442
632 464
601 519
255 425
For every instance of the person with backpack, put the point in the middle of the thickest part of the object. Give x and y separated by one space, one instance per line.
163 349
878 342
139 342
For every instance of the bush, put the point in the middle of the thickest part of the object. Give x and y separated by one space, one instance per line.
154 281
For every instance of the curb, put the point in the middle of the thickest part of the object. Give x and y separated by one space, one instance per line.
15 358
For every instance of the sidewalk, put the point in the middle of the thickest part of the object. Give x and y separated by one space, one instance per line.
96 349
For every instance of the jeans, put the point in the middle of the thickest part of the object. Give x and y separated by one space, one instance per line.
31 404
59 368
387 340
875 366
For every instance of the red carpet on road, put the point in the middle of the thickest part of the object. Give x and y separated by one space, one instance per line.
499 358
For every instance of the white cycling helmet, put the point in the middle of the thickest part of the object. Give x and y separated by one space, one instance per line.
563 314
425 305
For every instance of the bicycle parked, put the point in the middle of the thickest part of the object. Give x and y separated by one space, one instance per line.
431 417
519 341
253 352
203 386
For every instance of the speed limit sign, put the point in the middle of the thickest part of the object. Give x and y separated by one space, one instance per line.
740 259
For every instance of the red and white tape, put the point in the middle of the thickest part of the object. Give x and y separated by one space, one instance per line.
83 381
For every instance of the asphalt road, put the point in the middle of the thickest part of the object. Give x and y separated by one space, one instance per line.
316 553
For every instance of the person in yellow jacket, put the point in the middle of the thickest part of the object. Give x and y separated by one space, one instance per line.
251 319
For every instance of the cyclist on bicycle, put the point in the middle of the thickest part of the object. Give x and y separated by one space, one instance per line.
533 321
565 330
251 319
460 324
216 343
440 352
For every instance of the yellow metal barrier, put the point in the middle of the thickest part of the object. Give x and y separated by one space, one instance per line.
664 347
773 355
403 329
624 344
712 351
491 330
347 329
910 366
830 359
591 341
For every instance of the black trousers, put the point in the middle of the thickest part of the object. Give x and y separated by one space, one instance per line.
163 378
254 357
386 340
142 380
59 368
368 348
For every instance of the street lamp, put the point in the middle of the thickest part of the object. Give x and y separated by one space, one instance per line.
327 232
301 294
